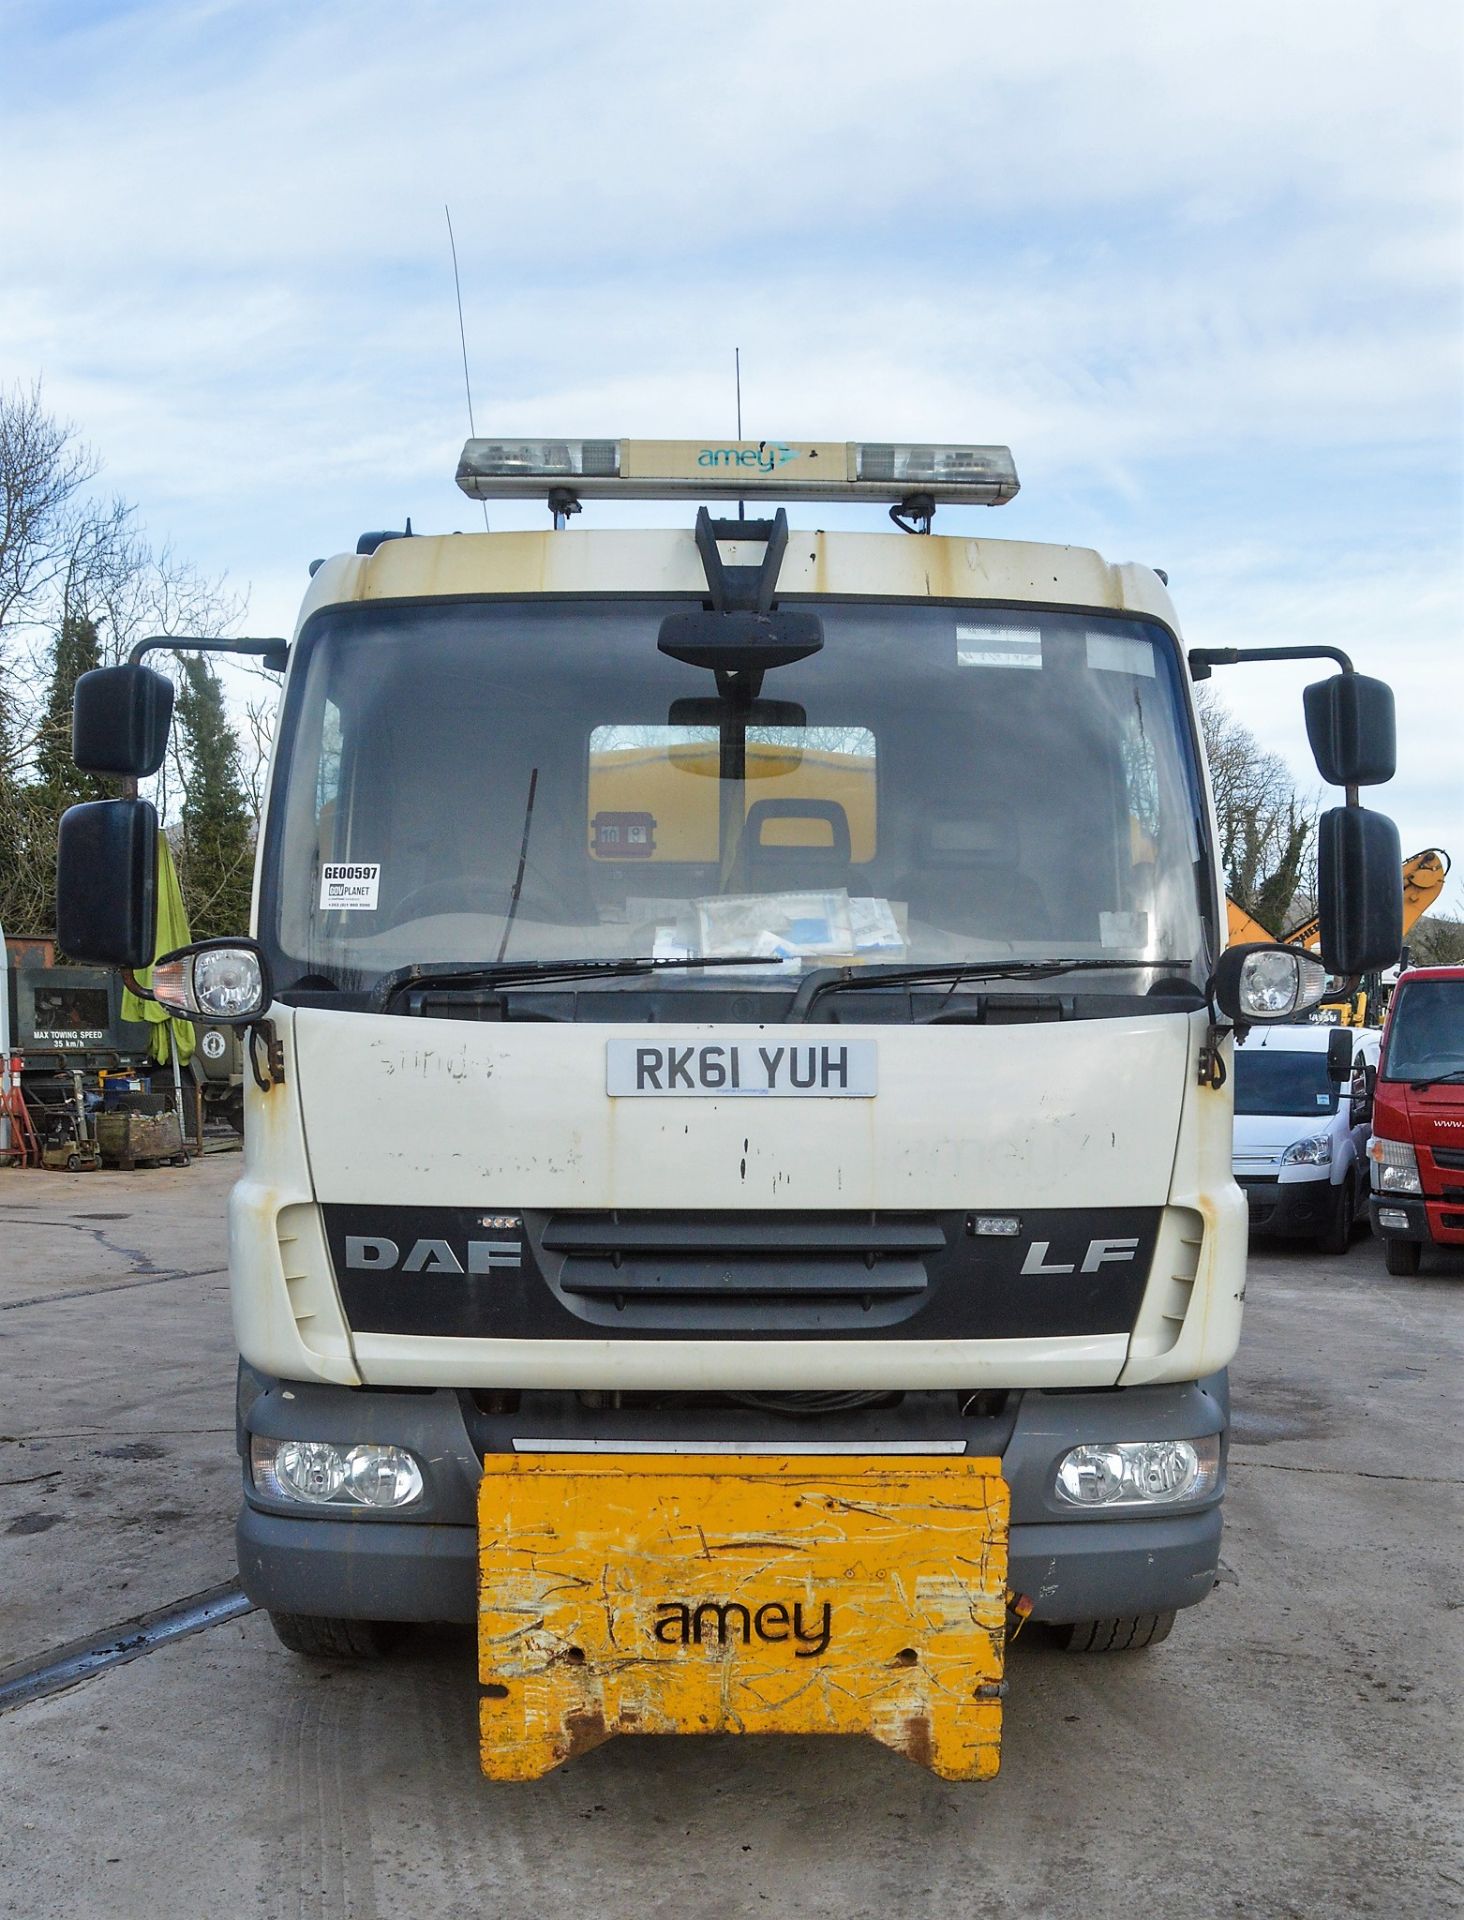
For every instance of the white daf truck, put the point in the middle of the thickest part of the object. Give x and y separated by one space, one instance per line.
737 1186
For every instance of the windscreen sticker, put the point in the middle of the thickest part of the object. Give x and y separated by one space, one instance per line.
350 886
1128 930
998 647
1120 653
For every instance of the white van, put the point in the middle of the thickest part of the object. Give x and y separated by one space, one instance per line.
1300 1143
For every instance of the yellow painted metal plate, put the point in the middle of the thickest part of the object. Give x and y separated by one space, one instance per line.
640 1593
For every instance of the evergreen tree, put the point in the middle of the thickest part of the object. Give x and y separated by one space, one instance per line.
56 784
217 853
14 909
77 650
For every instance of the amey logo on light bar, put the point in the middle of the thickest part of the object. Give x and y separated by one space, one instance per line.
373 1253
678 1623
767 456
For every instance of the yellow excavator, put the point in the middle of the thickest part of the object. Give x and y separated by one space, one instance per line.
1424 875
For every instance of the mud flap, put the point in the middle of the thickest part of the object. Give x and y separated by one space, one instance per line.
641 1593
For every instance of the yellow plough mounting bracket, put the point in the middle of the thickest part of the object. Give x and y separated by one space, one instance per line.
666 1593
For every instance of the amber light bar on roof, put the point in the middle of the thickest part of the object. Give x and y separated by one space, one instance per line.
780 469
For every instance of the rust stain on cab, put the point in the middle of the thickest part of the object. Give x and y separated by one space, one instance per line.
741 1594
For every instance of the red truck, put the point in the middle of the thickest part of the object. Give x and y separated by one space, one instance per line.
1417 1146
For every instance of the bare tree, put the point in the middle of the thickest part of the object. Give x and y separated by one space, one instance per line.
1266 825
43 469
70 563
1438 939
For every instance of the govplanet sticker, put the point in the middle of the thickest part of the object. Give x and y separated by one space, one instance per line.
350 886
827 1069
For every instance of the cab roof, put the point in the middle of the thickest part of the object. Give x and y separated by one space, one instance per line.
634 561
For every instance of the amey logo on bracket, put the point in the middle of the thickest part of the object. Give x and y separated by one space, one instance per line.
683 1623
767 456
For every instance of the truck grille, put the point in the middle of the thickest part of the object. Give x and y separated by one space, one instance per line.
617 1255
494 1272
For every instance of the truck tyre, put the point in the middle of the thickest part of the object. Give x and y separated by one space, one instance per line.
1402 1256
320 1638
1336 1236
1114 1636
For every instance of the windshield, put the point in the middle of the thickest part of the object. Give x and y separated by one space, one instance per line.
478 782
1426 1035
1283 1083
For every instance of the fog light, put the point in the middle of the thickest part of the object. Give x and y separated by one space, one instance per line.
1139 1473
1392 1217
321 1474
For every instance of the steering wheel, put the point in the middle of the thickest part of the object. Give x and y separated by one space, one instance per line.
475 893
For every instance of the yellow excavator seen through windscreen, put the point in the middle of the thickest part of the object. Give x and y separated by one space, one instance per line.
654 793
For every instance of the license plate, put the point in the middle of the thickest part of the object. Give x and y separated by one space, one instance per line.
732 1069
636 1593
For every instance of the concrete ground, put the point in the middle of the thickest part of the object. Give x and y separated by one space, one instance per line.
1293 1750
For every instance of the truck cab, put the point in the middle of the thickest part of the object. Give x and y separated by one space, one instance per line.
899 1142
737 1162
1417 1147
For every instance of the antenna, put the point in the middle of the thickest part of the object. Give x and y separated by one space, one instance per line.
463 337
737 368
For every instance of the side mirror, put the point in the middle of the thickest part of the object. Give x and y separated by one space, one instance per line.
1261 983
107 882
1339 1056
1359 890
119 721
1352 728
1360 1102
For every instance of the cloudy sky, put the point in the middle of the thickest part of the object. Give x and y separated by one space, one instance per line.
1200 267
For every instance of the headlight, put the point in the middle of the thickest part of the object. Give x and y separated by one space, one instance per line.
1139 1473
1396 1164
320 1474
1313 1152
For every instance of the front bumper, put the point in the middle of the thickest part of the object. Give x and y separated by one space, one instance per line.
1439 1223
399 1570
361 1565
1288 1207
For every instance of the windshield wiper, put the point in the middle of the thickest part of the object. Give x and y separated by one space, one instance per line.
824 980
519 973
1437 1079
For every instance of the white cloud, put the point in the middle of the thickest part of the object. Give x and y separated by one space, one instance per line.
1200 267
